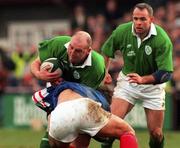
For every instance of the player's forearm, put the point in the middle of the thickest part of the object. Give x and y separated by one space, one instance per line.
35 67
158 77
107 78
148 79
107 63
136 78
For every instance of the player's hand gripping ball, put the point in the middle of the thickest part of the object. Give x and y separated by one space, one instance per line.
51 65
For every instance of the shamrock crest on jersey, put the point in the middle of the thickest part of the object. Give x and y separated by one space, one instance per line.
148 50
76 75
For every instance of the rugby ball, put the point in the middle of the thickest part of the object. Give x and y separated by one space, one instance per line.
51 65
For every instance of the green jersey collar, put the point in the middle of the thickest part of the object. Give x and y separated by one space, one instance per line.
87 62
66 45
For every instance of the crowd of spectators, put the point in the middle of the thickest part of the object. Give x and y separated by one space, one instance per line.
99 24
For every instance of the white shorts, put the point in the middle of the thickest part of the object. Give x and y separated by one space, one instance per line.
152 96
77 116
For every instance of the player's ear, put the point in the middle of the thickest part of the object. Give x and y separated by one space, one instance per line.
152 18
89 49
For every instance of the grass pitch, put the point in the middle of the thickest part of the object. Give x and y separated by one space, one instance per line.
27 138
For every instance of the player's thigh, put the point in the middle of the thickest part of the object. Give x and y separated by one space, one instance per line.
120 107
55 143
82 141
115 128
155 119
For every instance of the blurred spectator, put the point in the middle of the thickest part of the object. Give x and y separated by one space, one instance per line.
6 66
160 16
91 24
176 90
18 57
28 79
171 15
155 3
175 36
98 28
101 30
125 18
111 13
22 75
78 21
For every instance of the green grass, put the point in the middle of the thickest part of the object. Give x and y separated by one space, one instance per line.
19 138
26 138
172 140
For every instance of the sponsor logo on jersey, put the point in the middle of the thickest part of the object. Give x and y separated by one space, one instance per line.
129 46
64 61
131 53
76 75
148 50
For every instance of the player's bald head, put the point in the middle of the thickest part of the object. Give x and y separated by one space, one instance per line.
79 47
83 36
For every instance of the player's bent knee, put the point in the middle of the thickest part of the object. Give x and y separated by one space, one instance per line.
156 133
130 129
55 144
125 127
118 127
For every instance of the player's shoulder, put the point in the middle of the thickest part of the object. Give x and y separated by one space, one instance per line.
56 40
98 60
96 55
60 39
125 26
161 33
54 47
123 29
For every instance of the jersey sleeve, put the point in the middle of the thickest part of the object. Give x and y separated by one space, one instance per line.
164 54
98 69
111 44
43 50
53 47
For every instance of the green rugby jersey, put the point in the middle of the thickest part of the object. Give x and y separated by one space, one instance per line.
154 53
90 75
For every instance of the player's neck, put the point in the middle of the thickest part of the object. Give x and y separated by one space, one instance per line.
143 35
